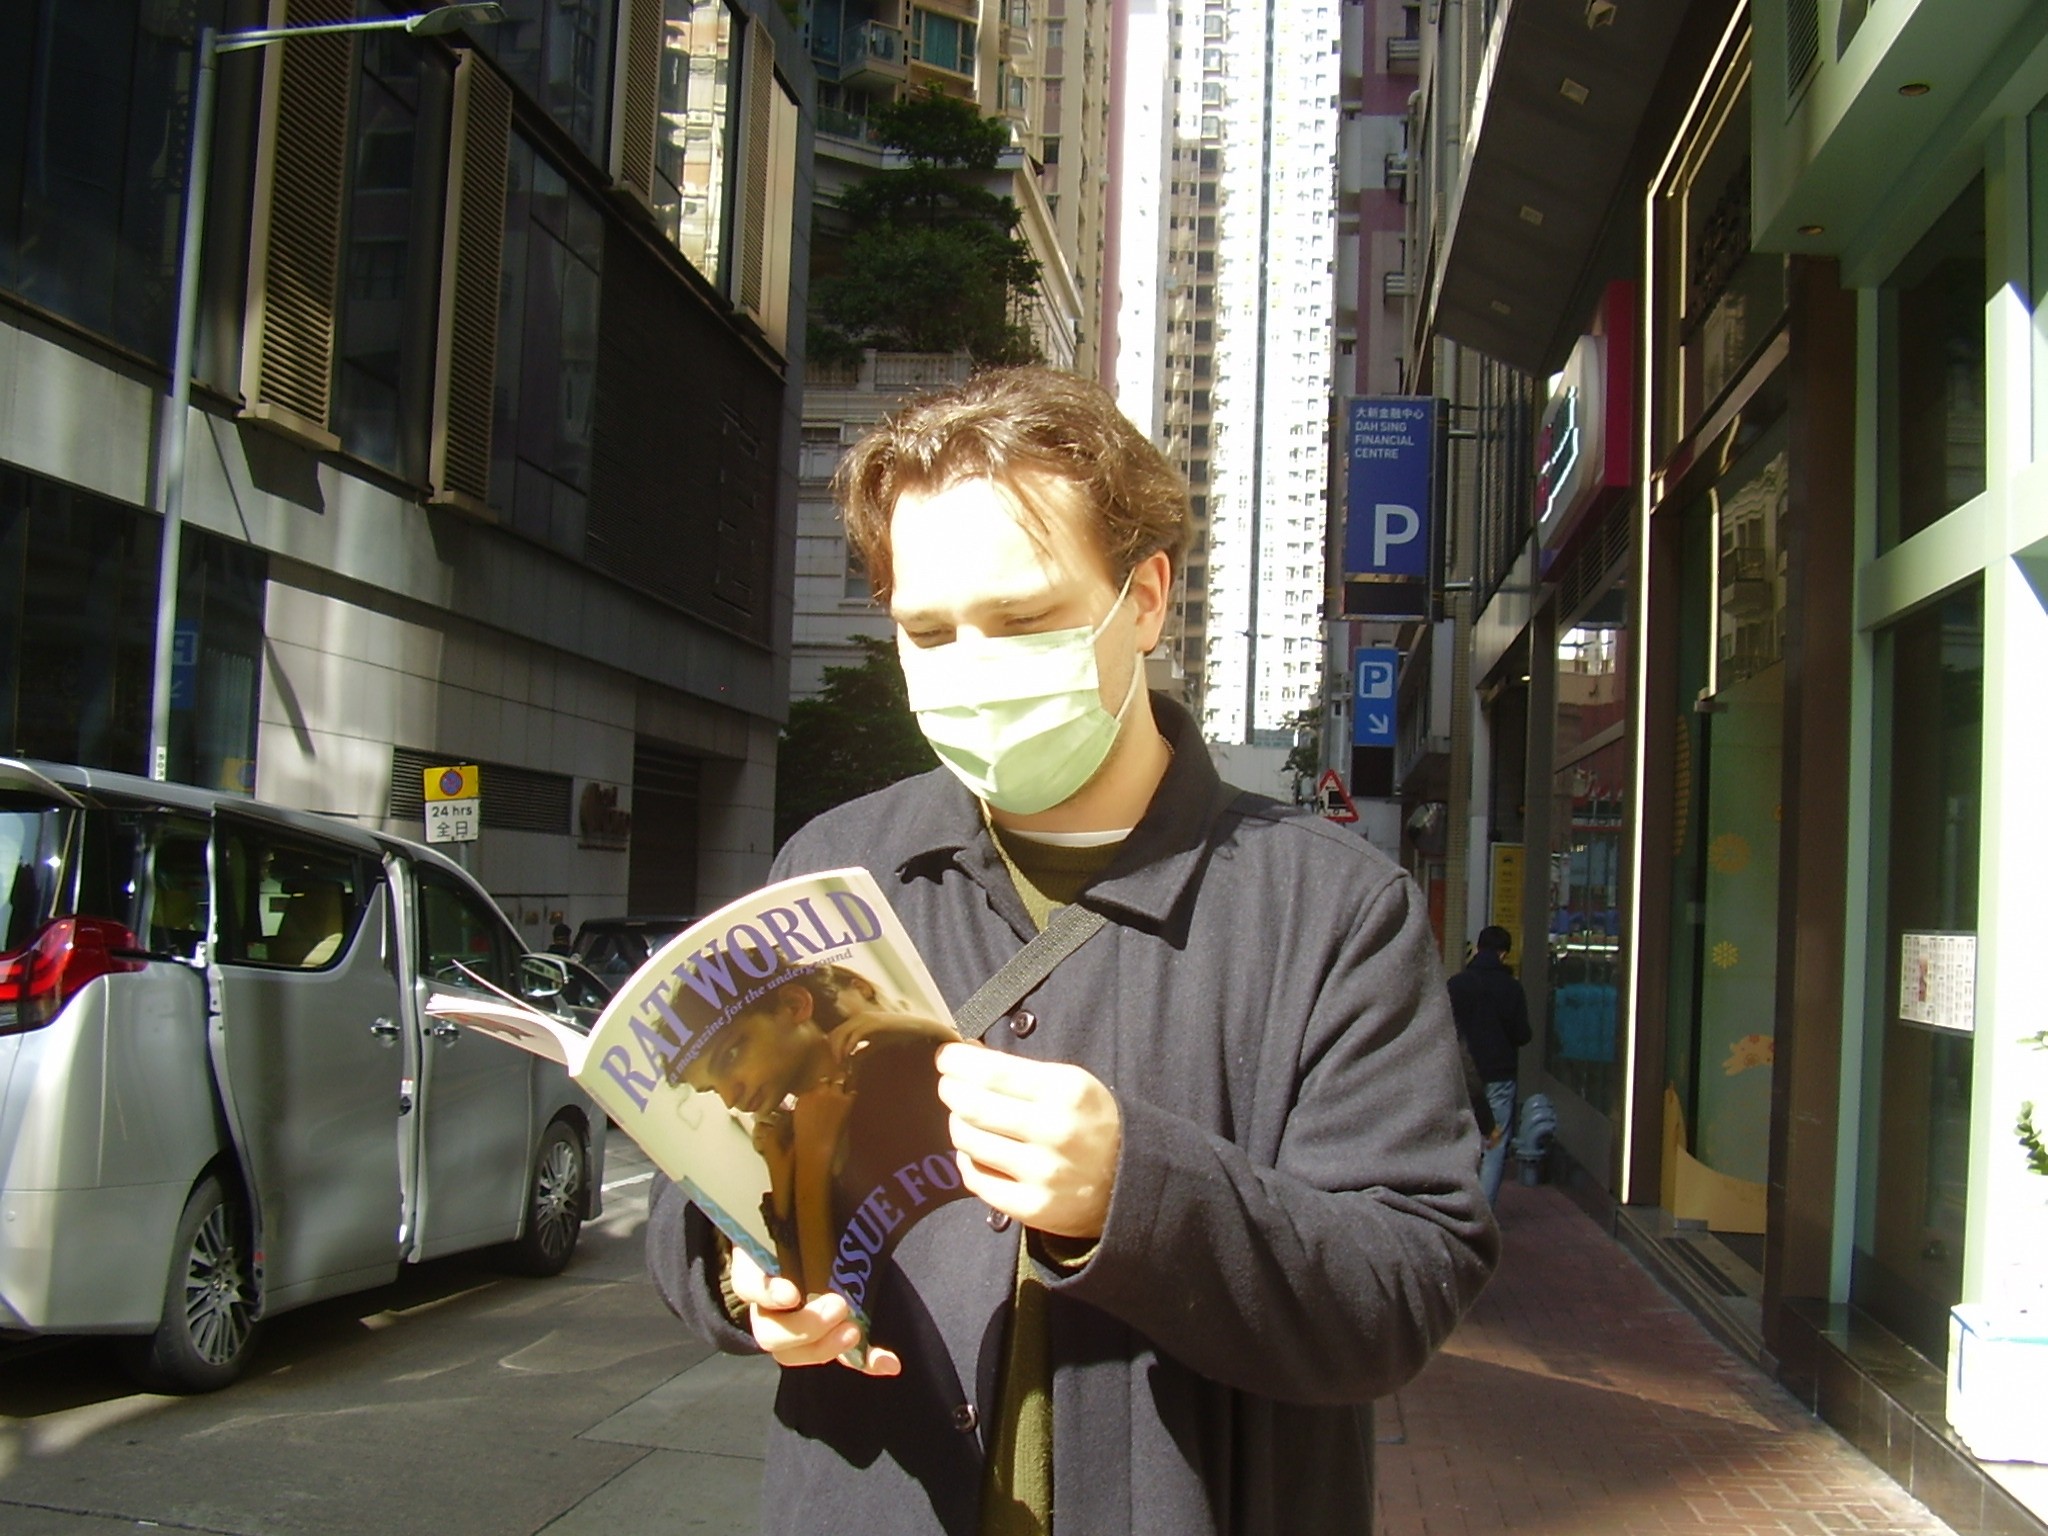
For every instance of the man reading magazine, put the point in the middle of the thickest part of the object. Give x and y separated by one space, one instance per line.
1225 1175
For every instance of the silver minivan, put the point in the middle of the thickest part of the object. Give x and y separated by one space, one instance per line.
219 1098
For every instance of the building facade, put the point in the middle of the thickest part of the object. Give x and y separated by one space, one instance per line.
1751 519
1246 377
492 444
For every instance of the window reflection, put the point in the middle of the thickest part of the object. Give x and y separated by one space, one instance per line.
547 352
559 53
94 120
1588 826
692 149
1935 371
1908 1265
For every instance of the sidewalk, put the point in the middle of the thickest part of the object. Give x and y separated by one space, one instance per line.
1578 1397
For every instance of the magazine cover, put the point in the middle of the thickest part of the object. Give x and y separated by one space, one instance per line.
775 1060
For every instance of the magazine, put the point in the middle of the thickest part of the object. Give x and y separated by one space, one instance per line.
775 1059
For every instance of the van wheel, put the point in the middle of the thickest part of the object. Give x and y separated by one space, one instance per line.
554 1205
209 1322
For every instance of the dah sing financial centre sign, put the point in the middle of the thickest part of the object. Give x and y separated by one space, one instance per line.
1392 526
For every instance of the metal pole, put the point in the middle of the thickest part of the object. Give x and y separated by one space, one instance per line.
172 475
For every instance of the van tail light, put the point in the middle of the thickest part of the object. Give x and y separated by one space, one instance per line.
37 980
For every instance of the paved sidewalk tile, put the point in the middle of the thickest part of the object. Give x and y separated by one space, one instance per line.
1578 1397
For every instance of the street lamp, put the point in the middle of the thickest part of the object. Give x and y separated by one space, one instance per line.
432 23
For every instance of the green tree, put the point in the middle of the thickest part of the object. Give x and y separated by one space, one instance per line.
1305 761
856 737
931 260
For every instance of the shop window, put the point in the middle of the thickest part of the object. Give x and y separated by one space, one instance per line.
1932 373
693 150
1589 816
1913 1172
93 103
547 352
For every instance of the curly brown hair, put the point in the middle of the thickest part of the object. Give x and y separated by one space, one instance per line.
1013 425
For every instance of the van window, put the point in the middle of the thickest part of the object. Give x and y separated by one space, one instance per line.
456 926
287 902
142 868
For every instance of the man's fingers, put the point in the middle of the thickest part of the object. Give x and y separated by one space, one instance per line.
999 1154
757 1288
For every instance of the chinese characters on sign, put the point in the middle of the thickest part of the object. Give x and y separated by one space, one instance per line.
1390 451
453 799
1938 980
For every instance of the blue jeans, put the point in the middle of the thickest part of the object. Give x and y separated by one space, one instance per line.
1500 1098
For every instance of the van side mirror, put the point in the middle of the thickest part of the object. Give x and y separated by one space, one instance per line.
542 978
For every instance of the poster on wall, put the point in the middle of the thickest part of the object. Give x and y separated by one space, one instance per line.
1938 980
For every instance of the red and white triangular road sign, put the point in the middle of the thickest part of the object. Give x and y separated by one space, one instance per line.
1332 799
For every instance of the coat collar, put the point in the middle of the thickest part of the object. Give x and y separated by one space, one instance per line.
1155 869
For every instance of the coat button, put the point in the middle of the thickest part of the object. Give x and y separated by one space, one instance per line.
999 1221
965 1418
1023 1022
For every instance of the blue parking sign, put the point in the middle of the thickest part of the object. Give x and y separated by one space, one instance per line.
1376 673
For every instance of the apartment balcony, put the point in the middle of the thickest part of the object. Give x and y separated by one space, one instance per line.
1404 55
836 123
890 372
872 55
1017 43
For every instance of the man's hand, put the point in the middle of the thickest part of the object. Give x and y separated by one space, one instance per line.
1037 1139
799 1332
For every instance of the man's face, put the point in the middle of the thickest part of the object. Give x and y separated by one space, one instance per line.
964 563
760 1058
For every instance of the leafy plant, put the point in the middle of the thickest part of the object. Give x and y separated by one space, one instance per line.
931 260
2030 1135
857 736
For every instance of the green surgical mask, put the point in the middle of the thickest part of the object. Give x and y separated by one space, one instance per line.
1017 718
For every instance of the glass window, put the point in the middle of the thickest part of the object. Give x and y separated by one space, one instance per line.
384 333
457 931
547 352
559 53
286 902
693 151
1718 300
944 42
1932 365
93 116
1587 851
1912 1177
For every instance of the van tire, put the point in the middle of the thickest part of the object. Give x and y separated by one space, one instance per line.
209 1325
555 1200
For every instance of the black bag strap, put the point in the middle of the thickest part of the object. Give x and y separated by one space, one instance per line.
1071 927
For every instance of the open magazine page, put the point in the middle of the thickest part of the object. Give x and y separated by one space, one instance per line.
777 1061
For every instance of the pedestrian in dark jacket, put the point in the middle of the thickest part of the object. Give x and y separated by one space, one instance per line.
1226 1181
1493 1021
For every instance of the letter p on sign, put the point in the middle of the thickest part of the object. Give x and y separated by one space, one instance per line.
1392 524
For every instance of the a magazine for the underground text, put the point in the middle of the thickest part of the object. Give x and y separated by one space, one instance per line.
775 1059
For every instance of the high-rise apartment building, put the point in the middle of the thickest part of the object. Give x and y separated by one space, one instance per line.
1041 66
1245 360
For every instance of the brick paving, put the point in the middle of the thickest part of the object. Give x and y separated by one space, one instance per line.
1579 1399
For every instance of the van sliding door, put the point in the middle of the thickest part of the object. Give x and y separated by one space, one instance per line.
310 1053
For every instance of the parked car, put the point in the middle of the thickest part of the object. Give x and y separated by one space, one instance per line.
616 947
219 1097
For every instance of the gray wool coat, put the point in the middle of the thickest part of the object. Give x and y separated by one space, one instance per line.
1296 1221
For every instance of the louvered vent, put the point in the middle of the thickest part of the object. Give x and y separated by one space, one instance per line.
295 247
466 354
1597 558
514 799
636 111
758 105
1802 43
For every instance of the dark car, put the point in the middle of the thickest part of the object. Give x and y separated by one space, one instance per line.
615 947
